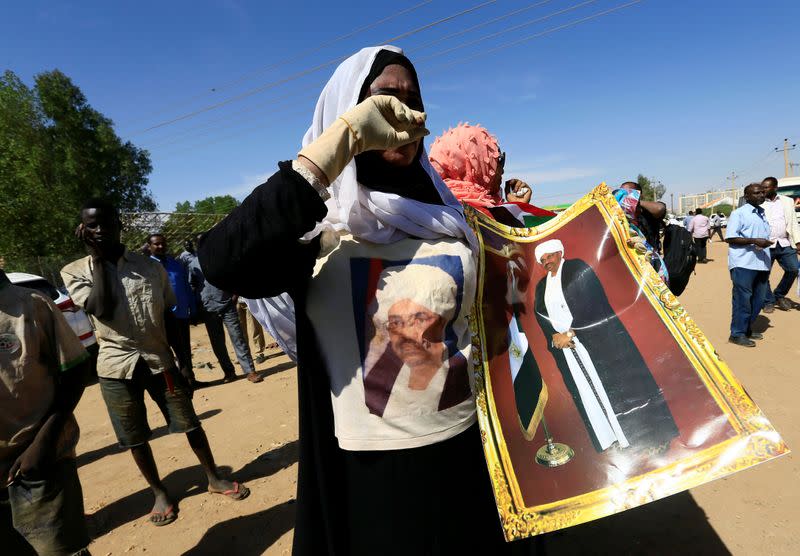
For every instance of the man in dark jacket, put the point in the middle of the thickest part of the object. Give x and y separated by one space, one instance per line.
614 391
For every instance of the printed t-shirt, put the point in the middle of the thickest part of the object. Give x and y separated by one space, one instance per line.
35 343
392 326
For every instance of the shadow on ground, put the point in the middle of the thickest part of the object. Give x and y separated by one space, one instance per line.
674 525
186 482
249 535
285 366
761 324
91 456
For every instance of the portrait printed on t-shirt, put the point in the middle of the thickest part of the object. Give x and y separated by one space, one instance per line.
405 313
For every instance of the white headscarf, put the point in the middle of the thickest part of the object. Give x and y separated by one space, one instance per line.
368 214
365 213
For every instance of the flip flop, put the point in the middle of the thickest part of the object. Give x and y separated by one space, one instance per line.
169 516
238 492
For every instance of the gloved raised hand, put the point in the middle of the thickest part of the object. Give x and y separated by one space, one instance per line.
379 122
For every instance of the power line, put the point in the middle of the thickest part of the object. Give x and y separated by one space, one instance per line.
508 45
504 31
478 26
325 44
313 69
441 53
272 105
299 56
749 172
259 127
786 148
316 87
542 34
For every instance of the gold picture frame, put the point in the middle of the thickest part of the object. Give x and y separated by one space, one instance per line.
755 440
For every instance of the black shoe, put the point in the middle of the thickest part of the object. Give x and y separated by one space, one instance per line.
784 304
742 341
756 336
768 308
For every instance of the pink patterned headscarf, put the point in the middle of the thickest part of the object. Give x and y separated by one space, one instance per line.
466 158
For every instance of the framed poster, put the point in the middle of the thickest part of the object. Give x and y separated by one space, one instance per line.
596 391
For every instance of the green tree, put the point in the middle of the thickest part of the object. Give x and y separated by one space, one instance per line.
724 209
55 152
652 189
220 204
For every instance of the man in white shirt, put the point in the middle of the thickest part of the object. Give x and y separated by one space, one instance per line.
613 389
716 226
785 235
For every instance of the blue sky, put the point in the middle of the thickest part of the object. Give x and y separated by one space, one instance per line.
684 90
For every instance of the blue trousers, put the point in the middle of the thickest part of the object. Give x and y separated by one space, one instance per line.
787 259
230 319
749 290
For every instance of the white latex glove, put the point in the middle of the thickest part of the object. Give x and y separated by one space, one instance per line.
379 122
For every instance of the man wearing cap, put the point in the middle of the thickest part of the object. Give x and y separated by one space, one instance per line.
614 391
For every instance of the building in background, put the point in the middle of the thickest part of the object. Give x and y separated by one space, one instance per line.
709 199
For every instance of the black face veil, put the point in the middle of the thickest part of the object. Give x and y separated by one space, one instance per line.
412 181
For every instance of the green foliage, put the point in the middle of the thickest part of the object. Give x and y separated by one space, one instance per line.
56 151
724 209
220 204
652 189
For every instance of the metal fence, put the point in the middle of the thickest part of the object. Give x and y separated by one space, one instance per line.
177 227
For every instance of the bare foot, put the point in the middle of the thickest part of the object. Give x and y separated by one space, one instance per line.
234 490
164 511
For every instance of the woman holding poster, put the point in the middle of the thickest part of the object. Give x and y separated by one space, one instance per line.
379 262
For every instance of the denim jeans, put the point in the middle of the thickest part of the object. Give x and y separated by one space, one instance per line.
238 338
216 335
749 289
787 259
230 318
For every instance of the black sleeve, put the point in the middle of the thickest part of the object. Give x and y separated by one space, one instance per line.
254 252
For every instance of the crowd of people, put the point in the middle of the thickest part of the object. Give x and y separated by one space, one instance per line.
763 230
377 271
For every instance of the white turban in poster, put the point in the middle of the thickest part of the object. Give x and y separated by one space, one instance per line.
409 366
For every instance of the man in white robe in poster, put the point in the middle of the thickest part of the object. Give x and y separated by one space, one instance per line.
614 391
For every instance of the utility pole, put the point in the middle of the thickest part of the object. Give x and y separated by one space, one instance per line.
786 149
793 165
672 203
733 177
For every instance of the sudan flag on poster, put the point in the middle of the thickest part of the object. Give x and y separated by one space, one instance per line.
530 391
514 214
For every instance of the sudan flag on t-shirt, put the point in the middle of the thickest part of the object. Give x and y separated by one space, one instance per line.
530 391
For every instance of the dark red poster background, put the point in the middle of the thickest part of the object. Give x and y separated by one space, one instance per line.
699 419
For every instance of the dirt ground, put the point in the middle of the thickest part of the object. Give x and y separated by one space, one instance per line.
253 433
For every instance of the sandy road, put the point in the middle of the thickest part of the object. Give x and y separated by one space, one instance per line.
253 432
